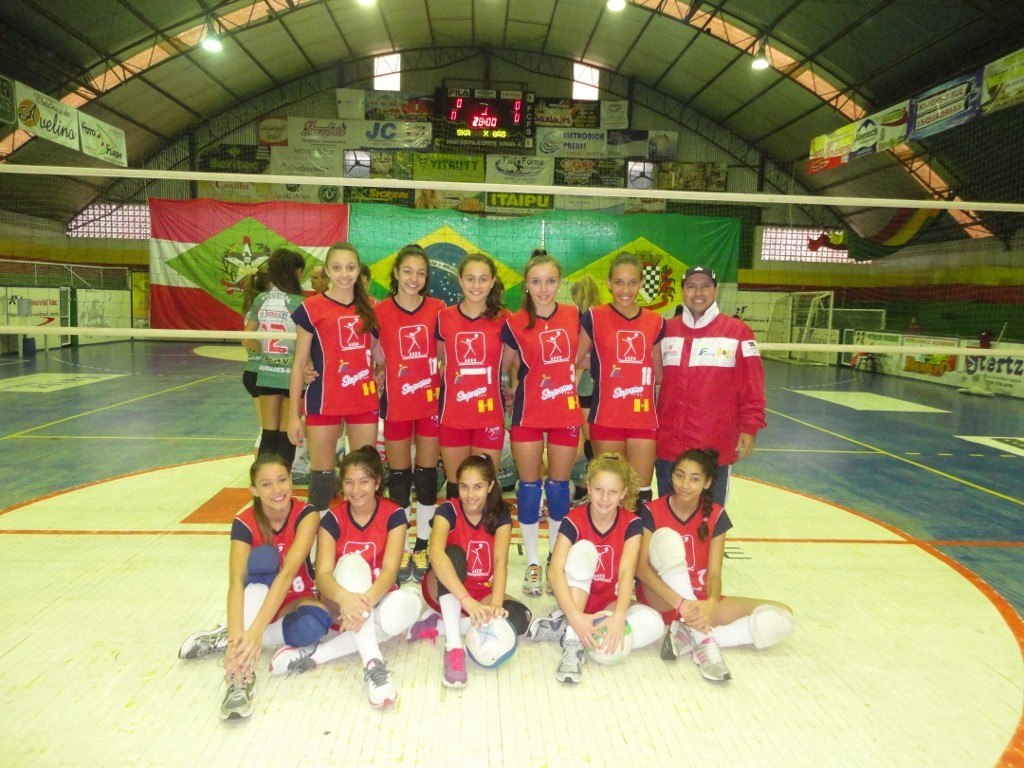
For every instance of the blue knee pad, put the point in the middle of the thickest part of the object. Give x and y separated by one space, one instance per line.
263 565
558 498
528 502
305 625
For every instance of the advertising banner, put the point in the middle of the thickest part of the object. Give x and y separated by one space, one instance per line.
629 144
520 169
572 142
8 113
517 203
700 177
567 113
1002 83
403 197
45 117
589 172
436 166
434 199
306 161
351 103
830 150
234 158
1003 375
103 141
273 131
929 367
356 134
614 114
946 106
662 145
392 163
398 105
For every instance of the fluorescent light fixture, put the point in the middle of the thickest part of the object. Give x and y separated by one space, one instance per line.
616 5
211 42
367 2
761 57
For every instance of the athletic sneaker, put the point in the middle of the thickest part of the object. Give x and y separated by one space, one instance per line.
237 703
425 628
203 644
708 656
420 565
379 688
293 660
678 641
570 668
547 577
405 569
531 581
550 628
454 669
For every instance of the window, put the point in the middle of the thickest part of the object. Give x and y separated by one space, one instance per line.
802 244
387 72
586 82
116 222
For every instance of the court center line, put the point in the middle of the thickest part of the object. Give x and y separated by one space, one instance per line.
108 407
905 460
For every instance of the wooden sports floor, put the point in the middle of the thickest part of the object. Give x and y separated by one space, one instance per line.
888 513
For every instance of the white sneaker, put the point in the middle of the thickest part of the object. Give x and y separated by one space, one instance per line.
532 581
202 644
770 625
570 668
291 660
379 688
678 641
237 703
547 628
708 656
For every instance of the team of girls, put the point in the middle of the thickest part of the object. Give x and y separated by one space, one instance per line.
680 573
359 549
465 585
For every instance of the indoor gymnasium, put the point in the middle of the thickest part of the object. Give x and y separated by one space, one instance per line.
838 183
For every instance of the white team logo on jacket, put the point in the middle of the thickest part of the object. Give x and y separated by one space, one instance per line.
715 352
605 563
554 346
470 348
478 558
412 341
630 346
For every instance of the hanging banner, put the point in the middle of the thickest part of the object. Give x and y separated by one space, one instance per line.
614 114
517 203
572 142
436 166
946 106
392 163
350 103
201 251
629 144
435 199
45 117
699 177
273 131
398 105
590 172
8 113
590 203
358 134
663 145
249 192
102 140
306 161
830 150
1003 83
520 169
402 197
234 158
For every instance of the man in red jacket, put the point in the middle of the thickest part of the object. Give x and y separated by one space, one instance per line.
712 389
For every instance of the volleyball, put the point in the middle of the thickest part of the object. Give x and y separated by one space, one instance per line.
610 659
492 644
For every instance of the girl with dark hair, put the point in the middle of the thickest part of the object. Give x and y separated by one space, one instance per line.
272 312
407 348
334 333
542 339
469 544
680 570
359 548
270 584
472 418
621 340
254 285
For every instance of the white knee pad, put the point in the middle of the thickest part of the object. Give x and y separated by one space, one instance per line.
666 551
353 573
397 611
252 601
770 624
646 623
581 564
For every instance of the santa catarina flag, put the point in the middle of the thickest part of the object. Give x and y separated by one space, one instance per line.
201 251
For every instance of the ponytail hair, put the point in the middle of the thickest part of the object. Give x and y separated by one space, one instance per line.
707 460
253 286
366 457
539 257
364 308
282 267
584 293
494 506
409 252
495 304
264 460
616 465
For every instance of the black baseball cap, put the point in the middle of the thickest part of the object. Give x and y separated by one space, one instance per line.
701 270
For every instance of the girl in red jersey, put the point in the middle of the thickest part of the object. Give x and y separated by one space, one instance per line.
472 418
333 331
622 341
359 548
407 347
680 570
270 584
469 544
543 338
592 569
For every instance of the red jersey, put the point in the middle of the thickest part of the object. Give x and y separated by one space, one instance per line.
412 384
577 526
471 395
546 396
244 528
369 540
341 355
476 542
622 366
658 514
